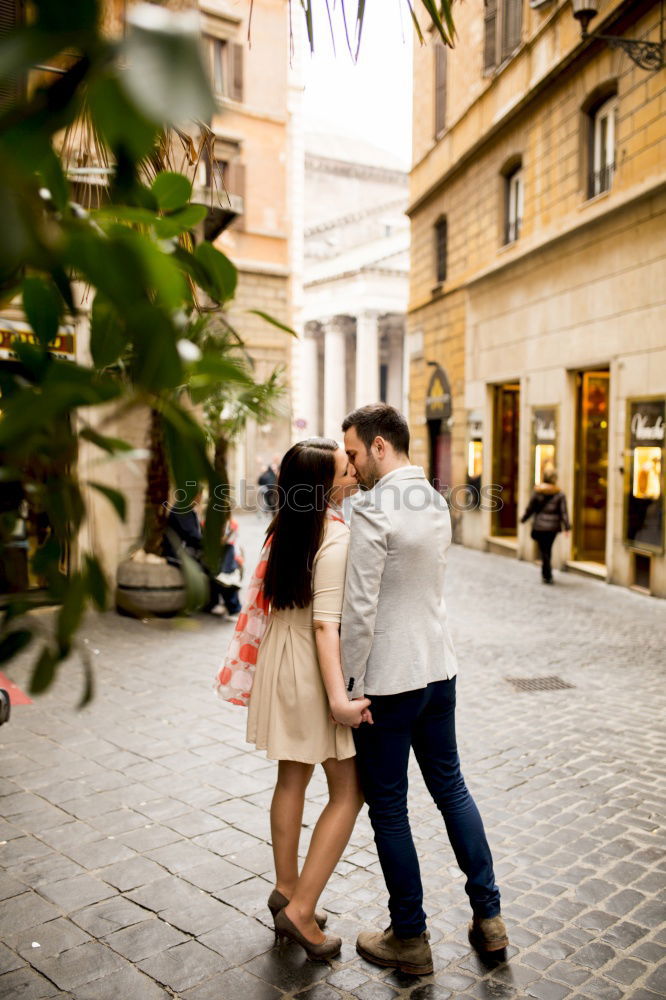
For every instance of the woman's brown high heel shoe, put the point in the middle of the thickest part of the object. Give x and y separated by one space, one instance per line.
277 901
284 928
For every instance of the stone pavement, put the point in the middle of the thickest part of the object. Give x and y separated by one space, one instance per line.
135 836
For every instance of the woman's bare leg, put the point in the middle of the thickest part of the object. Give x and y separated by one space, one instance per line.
286 819
329 839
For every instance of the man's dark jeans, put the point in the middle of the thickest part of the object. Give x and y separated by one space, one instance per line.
544 540
424 720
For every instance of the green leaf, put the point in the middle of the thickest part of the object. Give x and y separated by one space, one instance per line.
272 321
179 222
185 444
53 178
71 611
115 498
173 191
43 307
111 445
125 213
108 333
197 587
112 266
43 672
164 72
222 274
165 279
118 119
13 643
97 584
157 364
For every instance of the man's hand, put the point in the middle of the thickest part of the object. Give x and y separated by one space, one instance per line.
352 713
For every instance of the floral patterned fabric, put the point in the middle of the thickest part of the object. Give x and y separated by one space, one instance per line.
236 675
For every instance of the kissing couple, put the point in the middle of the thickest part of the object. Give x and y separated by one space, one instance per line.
343 655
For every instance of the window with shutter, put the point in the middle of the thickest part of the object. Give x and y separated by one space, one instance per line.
512 26
602 158
218 65
441 249
513 211
10 18
440 88
490 35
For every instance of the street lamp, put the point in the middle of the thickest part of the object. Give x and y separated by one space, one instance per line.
647 55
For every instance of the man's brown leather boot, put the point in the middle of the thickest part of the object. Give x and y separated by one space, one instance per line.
411 955
488 934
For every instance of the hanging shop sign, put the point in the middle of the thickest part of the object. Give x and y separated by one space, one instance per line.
438 397
544 441
63 346
644 486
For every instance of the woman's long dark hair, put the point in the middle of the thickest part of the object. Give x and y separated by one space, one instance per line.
304 486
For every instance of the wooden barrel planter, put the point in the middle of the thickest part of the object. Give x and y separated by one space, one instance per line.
144 589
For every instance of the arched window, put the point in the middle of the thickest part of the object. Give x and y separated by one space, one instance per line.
441 249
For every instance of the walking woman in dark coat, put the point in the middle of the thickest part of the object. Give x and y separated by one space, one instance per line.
548 507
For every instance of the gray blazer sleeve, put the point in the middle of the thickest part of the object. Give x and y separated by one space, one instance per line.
368 547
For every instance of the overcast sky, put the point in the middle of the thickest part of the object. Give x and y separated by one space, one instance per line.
371 99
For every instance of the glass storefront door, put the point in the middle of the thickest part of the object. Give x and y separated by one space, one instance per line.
591 479
506 438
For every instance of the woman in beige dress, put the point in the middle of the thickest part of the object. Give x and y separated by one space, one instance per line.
299 712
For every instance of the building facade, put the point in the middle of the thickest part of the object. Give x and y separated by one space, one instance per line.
355 282
249 174
537 317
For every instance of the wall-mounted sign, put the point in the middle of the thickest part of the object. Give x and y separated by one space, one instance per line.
646 440
544 440
64 345
438 397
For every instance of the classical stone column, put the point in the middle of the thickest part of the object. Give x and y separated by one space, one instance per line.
335 360
367 359
309 377
395 361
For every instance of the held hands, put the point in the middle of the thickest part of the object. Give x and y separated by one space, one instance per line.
352 713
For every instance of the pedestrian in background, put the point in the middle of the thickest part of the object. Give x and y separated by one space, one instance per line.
548 507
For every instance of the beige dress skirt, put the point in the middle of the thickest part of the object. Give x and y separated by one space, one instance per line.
288 714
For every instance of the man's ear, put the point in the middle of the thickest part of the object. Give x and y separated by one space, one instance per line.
380 445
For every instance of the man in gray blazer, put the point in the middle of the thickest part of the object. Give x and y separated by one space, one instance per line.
397 651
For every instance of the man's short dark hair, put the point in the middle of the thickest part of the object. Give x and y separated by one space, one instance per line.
379 420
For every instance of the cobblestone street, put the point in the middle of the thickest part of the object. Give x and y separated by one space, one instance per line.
135 835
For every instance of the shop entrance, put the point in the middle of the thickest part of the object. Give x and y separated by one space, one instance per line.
591 468
438 417
506 438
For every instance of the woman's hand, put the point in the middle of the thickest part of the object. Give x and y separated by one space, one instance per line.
352 713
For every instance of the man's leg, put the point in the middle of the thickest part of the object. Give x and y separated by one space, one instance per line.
382 756
434 742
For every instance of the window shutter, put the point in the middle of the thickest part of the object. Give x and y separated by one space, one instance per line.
440 88
512 25
10 18
490 34
236 72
